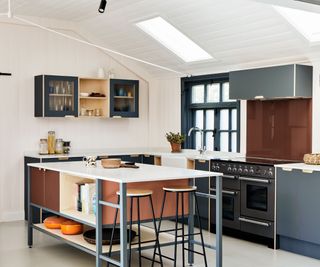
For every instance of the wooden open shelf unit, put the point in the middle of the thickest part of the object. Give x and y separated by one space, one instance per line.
147 238
94 85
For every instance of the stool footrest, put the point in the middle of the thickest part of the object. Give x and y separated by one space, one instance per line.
169 230
193 251
166 257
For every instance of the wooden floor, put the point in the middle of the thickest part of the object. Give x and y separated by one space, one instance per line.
48 252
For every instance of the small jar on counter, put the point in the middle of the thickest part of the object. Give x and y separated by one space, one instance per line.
51 142
66 147
43 147
59 146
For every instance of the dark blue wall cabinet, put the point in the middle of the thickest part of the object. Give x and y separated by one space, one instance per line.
56 96
124 98
273 82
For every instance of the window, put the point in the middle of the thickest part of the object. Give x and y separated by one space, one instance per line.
206 105
173 39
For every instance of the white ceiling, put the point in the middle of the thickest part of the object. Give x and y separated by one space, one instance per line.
238 33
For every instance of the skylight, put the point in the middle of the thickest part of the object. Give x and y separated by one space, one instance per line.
307 23
173 39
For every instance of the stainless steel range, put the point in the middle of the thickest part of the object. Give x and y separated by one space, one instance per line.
248 195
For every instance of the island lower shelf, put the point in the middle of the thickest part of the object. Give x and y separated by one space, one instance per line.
147 239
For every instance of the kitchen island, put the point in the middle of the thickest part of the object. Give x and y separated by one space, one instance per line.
56 200
298 210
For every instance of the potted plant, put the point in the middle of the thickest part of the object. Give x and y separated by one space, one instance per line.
175 139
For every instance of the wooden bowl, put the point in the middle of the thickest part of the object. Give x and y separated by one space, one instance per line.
90 236
71 228
111 163
54 222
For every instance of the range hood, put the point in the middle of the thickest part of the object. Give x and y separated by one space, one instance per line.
279 82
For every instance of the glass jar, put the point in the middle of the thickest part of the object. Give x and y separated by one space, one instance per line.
59 146
43 147
66 147
51 142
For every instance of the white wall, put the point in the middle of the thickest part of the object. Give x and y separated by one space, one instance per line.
26 51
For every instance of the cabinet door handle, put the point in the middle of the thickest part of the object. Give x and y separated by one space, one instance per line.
202 160
63 158
104 157
227 192
254 222
248 179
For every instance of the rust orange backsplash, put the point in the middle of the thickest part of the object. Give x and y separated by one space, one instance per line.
280 129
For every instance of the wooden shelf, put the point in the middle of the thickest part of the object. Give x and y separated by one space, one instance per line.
78 215
69 95
147 238
94 98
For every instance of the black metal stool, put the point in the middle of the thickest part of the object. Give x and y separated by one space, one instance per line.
191 190
137 194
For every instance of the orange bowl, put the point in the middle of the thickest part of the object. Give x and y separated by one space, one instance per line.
71 228
54 222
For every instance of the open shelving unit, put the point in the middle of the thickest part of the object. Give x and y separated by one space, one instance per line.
94 85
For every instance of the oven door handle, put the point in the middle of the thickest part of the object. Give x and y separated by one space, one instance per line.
254 222
227 192
248 179
229 177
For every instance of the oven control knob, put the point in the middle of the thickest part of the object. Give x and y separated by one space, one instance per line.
251 171
234 169
217 168
240 170
270 173
245 171
229 168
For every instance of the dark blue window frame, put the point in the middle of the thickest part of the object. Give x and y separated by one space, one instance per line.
188 109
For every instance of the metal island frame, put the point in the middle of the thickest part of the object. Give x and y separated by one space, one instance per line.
123 177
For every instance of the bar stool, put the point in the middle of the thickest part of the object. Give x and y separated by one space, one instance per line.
137 194
181 190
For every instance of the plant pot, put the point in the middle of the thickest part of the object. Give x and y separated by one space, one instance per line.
175 148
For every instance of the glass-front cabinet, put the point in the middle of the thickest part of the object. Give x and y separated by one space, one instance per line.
124 98
56 96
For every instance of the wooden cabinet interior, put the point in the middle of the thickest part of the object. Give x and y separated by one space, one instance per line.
101 103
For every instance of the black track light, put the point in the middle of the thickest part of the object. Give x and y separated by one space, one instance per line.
102 6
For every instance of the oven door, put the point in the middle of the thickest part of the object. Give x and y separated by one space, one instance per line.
257 198
230 208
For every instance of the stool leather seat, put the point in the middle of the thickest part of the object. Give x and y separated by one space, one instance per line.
137 193
180 188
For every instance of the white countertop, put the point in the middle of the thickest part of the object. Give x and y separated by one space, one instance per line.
146 173
299 166
187 153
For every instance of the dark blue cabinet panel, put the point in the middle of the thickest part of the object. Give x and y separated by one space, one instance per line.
203 187
124 98
56 96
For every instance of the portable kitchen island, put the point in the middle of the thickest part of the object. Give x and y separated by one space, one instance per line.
50 188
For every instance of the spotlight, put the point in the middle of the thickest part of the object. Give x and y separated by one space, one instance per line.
102 6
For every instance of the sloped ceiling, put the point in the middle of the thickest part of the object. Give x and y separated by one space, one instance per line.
237 33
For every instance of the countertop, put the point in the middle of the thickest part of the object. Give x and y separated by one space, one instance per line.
299 166
186 153
146 173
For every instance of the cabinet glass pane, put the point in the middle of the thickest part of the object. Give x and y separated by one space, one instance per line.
197 94
61 95
210 119
224 142
224 119
213 93
234 142
199 119
234 120
124 97
209 141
